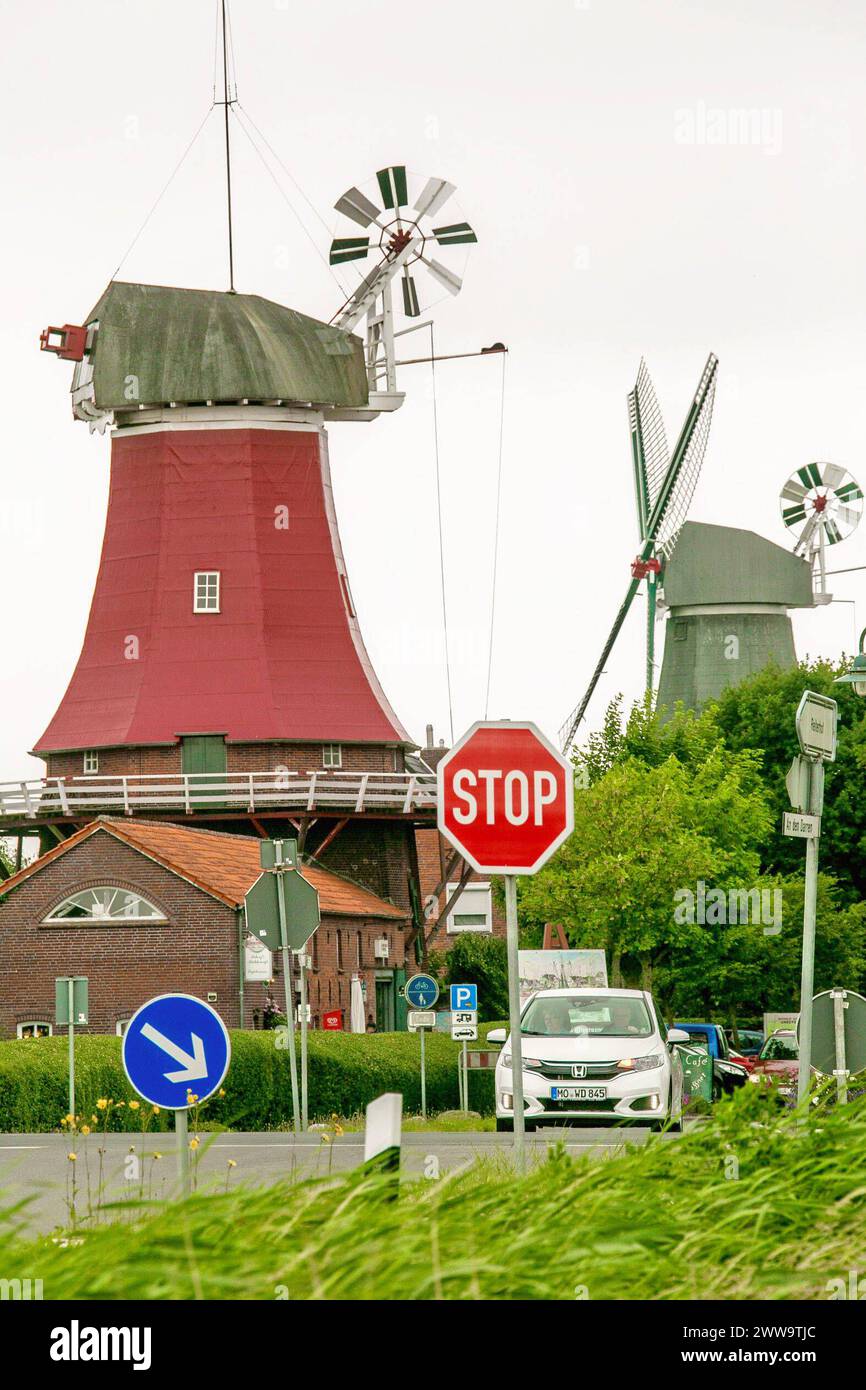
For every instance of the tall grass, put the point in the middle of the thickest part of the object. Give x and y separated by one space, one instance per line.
751 1205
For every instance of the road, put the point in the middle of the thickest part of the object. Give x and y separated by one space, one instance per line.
36 1167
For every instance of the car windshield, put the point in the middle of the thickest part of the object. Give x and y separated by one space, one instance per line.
779 1047
581 1016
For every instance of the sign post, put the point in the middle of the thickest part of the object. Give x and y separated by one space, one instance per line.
282 909
506 802
816 732
71 1007
421 991
176 1047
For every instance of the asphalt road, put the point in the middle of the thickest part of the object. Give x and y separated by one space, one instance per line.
35 1167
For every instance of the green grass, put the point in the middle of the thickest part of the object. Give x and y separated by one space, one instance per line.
446 1122
749 1205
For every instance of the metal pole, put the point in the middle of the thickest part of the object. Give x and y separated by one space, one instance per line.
70 986
465 1079
181 1129
422 1031
807 977
841 1069
304 1104
650 632
228 150
514 1018
287 982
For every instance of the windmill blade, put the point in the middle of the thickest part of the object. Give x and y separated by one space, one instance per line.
848 516
569 729
831 531
650 455
849 491
679 484
434 195
455 235
452 282
354 205
812 525
411 308
792 516
351 248
392 186
793 492
832 474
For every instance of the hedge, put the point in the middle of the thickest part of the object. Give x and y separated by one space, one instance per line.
346 1071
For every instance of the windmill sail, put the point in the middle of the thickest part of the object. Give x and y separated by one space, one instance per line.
664 494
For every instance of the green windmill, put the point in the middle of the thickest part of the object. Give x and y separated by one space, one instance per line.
664 487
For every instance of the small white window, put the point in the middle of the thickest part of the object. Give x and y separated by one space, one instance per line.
206 593
33 1029
473 910
121 1026
332 755
91 763
105 905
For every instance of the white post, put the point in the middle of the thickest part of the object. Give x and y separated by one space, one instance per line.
807 976
514 1018
841 1069
422 1031
304 1089
287 984
71 997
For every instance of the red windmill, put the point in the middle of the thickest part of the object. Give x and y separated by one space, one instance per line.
223 677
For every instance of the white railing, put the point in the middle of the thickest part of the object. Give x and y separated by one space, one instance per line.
400 793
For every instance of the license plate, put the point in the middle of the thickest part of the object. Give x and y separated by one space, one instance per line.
578 1093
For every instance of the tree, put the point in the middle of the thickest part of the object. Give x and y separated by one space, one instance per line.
476 959
642 834
759 714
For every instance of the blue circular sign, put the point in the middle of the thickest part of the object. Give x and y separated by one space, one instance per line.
176 1046
422 991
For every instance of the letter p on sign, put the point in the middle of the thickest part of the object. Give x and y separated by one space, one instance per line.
506 798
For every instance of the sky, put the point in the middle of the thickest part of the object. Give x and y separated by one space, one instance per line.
646 179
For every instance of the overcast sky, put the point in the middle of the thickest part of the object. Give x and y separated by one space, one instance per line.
598 148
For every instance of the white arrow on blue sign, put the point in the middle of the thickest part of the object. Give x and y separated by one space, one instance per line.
173 1045
421 991
463 997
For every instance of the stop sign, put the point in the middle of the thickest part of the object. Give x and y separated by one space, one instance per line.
506 797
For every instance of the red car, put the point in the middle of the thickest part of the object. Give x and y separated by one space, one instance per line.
778 1064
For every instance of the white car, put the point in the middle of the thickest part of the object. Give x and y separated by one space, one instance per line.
592 1055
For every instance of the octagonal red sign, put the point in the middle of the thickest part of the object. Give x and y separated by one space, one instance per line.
506 797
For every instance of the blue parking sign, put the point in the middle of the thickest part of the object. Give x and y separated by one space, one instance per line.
175 1046
463 998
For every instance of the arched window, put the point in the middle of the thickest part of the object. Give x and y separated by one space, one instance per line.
105 905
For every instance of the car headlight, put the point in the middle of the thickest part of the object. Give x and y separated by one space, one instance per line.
527 1061
639 1063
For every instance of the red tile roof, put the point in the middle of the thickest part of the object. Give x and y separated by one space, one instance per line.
226 866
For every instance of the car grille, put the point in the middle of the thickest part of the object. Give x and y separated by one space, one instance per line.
562 1071
602 1106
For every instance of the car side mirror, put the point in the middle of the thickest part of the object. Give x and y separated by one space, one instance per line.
678 1035
496 1035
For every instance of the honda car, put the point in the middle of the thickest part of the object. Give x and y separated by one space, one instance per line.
592 1055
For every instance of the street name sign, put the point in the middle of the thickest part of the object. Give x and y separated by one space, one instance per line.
420 1018
816 726
175 1045
801 827
506 797
421 991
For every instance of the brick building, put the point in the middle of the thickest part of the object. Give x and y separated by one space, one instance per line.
143 908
